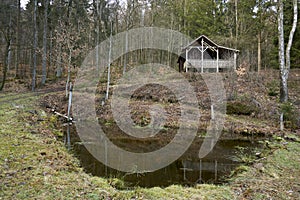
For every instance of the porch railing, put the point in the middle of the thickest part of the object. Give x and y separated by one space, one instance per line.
209 64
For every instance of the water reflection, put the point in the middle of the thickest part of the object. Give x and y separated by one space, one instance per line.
187 170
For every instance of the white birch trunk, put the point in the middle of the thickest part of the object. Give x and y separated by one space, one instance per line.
109 63
291 36
69 71
285 62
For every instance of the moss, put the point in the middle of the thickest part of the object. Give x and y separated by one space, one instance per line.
279 178
35 165
179 192
239 170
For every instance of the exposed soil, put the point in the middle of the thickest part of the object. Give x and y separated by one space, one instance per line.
252 103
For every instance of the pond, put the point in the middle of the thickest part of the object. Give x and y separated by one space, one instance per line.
187 170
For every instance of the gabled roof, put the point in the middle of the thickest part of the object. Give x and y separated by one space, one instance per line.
212 43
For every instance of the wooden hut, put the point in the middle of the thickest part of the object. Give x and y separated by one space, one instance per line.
204 55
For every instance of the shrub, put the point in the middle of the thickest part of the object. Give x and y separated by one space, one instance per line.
273 88
290 115
241 108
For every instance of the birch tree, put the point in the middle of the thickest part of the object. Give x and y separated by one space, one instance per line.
284 55
109 61
69 46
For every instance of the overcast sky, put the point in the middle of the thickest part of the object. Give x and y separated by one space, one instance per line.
23 3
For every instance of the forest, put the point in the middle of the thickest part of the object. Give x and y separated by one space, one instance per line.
81 119
48 38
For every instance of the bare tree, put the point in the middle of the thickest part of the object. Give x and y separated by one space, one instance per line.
44 64
8 38
109 62
35 38
236 22
6 28
259 37
284 56
18 40
69 46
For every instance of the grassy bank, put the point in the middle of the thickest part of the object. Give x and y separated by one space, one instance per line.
34 164
274 176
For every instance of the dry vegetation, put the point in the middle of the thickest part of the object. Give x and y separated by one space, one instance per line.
34 163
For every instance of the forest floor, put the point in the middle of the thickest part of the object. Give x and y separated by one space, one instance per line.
34 163
252 99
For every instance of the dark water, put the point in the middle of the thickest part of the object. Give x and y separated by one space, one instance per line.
187 170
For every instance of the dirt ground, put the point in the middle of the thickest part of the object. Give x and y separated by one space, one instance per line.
253 107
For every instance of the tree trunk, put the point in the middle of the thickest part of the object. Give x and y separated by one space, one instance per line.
34 46
69 72
259 52
18 41
97 21
69 47
44 65
59 62
126 50
283 81
185 16
5 67
109 63
291 36
9 59
236 22
285 63
9 38
50 54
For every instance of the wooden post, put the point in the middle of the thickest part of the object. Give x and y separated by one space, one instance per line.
70 100
200 171
281 122
216 170
217 60
68 139
186 59
184 172
235 60
202 56
106 158
212 112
